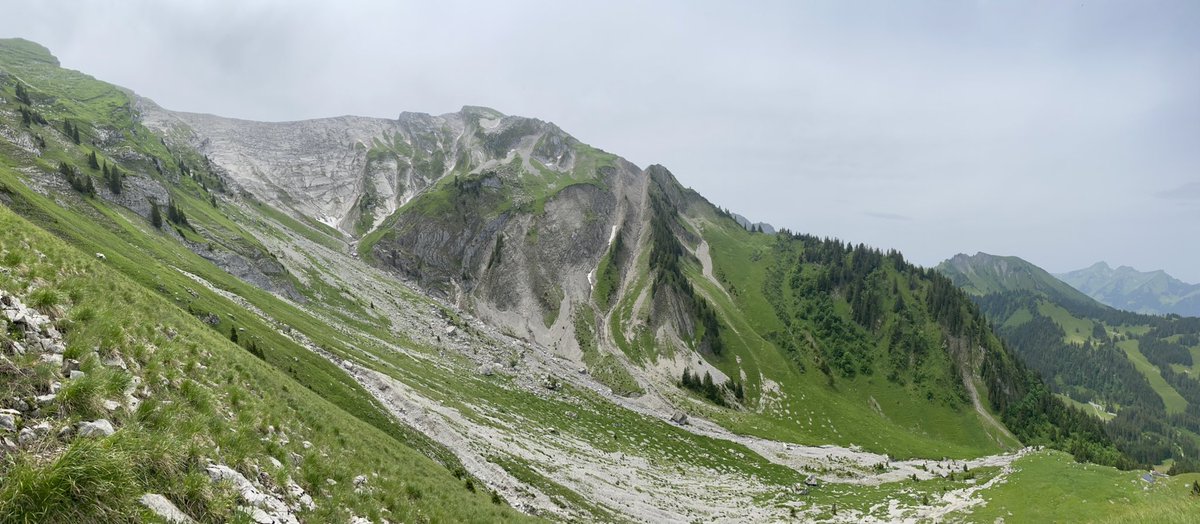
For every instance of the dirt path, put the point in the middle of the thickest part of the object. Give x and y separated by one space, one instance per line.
969 382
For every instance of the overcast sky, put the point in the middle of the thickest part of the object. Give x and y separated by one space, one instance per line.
1061 132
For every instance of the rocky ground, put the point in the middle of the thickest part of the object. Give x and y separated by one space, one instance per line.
630 484
35 372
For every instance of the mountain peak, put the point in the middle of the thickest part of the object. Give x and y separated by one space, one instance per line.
482 111
23 50
986 274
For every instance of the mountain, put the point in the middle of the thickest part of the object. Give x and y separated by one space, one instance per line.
1135 371
984 274
469 317
1153 292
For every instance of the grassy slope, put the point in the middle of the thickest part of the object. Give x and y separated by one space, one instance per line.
1172 399
1050 487
149 257
221 400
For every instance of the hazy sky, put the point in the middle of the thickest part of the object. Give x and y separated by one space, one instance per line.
1061 132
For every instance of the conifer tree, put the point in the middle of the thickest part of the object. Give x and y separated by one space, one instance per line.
113 180
92 162
155 216
174 214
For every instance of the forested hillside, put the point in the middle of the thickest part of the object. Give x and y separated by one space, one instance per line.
1135 372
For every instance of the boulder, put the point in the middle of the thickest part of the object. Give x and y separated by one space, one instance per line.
114 361
165 509
26 436
303 500
20 405
96 428
220 472
8 422
679 417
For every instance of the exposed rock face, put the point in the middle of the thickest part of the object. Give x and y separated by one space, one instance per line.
333 169
165 509
262 507
505 216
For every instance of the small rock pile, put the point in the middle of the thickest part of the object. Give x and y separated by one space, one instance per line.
31 331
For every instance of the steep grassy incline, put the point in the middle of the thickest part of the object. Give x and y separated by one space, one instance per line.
197 399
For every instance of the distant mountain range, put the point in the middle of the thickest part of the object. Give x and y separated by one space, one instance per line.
1151 292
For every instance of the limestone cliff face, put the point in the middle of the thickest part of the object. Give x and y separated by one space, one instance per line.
507 216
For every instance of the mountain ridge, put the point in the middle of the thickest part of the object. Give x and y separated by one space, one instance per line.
1150 292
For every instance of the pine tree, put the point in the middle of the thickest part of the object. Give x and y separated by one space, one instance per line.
174 214
155 216
92 161
112 178
233 336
